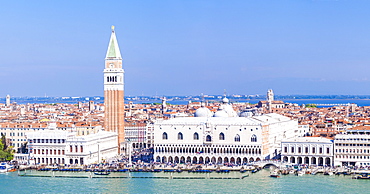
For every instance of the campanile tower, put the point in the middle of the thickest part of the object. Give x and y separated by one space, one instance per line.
114 90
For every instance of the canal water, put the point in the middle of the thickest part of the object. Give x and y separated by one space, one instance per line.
258 182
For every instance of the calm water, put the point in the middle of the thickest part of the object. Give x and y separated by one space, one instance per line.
255 183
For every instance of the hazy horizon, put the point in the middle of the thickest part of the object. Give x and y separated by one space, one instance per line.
179 47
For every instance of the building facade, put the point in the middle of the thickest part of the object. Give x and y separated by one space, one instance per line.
221 137
63 147
352 148
308 150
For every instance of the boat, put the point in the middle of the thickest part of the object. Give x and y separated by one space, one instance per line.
328 173
300 173
362 176
4 167
274 174
101 173
255 170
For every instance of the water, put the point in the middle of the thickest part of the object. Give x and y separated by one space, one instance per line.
255 183
360 102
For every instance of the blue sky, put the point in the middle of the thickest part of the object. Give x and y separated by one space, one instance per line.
186 47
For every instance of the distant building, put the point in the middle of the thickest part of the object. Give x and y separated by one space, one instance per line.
91 106
7 100
270 102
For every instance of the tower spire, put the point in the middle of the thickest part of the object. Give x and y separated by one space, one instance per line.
113 51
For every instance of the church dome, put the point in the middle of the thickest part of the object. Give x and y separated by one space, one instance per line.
221 113
203 112
246 114
225 100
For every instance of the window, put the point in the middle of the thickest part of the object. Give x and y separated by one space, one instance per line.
237 138
180 136
196 136
254 138
306 150
208 138
222 136
164 136
292 149
299 149
285 149
313 150
81 149
327 150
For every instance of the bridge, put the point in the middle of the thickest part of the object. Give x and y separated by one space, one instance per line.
276 163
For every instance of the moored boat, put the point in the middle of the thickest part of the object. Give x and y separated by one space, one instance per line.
274 174
101 173
4 167
362 176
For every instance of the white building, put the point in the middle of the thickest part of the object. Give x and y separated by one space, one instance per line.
353 148
47 147
308 150
135 134
62 147
222 138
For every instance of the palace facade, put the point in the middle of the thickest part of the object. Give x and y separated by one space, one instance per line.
222 137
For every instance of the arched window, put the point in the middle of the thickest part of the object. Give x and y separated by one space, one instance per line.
179 136
164 136
222 136
237 138
196 136
254 138
208 138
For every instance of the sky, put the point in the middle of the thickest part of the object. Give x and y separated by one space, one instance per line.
187 47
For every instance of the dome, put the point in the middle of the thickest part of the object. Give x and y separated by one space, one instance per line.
203 112
246 114
225 100
221 113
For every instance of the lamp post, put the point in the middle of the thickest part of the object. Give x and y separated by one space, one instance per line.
129 151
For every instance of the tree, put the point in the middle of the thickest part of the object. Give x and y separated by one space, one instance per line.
6 152
3 141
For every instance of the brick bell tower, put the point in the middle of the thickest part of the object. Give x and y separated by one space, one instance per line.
114 90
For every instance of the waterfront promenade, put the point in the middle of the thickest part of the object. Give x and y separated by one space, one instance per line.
259 182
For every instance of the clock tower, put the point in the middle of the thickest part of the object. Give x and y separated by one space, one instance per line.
114 90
